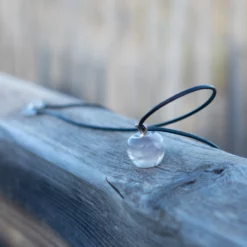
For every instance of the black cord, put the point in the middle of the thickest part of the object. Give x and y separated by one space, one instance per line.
48 109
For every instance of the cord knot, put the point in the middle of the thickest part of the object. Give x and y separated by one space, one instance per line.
33 108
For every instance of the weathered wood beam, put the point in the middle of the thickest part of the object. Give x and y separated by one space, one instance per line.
80 182
18 229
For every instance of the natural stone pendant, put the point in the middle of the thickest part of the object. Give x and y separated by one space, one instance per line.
146 150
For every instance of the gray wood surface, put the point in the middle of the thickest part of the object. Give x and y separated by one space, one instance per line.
18 229
80 182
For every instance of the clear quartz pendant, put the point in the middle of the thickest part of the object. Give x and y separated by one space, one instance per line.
146 151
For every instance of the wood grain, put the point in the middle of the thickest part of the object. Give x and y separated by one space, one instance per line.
18 229
81 183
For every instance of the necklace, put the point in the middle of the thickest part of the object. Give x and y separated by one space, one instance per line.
145 148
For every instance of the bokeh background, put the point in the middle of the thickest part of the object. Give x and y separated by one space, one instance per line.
131 54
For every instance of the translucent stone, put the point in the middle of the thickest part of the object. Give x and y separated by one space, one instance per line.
146 151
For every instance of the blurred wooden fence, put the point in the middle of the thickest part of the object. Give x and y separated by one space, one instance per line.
129 55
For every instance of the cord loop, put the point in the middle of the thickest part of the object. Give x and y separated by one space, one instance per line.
175 97
48 109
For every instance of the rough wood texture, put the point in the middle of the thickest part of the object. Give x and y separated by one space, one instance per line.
80 182
18 229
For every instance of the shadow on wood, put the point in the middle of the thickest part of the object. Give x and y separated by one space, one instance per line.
18 229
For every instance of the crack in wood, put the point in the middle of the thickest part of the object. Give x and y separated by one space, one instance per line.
115 188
